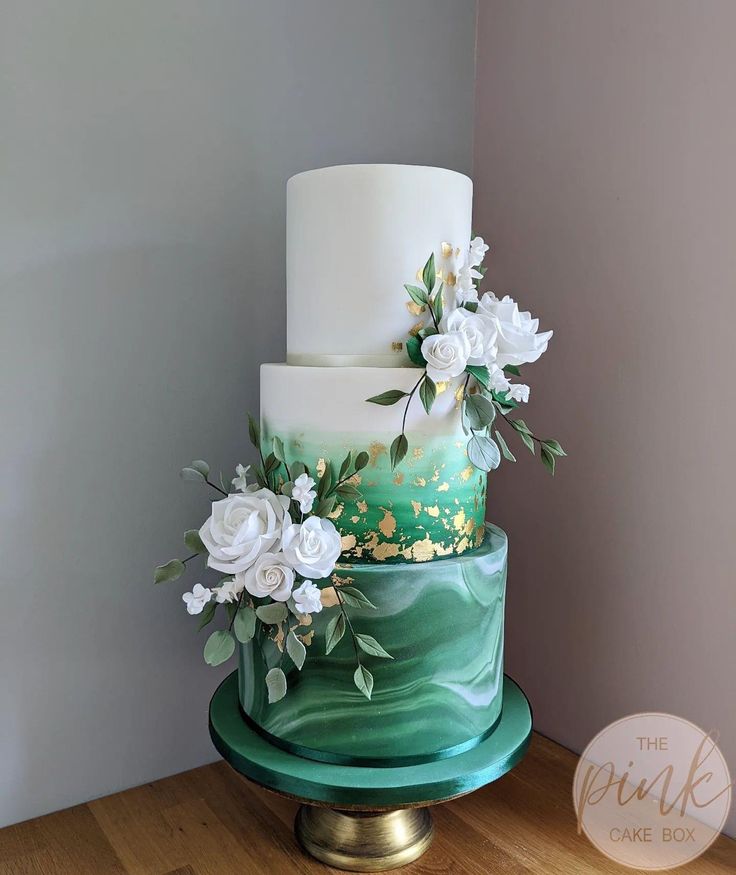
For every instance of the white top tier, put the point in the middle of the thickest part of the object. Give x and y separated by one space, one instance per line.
355 234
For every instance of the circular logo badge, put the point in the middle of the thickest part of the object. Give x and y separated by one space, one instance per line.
652 791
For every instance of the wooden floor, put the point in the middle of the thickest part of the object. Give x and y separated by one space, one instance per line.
210 821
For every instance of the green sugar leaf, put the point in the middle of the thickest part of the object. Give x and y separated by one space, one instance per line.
363 681
483 452
254 432
207 615
480 372
296 650
512 369
414 351
355 598
419 296
361 460
507 454
193 474
219 648
325 506
194 542
429 274
438 304
554 448
273 613
387 398
345 467
172 570
334 632
528 441
278 449
548 459
348 492
201 466
370 645
427 393
399 449
244 624
478 412
276 685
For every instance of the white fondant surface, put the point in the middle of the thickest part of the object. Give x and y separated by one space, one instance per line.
355 235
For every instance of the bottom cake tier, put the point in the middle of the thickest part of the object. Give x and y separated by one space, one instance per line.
441 694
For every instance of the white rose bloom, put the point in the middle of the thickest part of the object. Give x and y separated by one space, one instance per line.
519 392
479 331
477 252
312 548
240 482
307 598
269 576
197 598
228 591
518 341
243 526
446 355
304 492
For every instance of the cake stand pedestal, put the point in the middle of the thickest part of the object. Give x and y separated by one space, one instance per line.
367 819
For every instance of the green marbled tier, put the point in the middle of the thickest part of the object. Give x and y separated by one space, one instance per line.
432 505
442 623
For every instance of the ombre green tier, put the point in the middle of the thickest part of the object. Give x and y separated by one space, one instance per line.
441 694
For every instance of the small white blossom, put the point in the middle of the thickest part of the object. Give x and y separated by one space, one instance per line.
465 290
304 493
197 598
477 252
229 590
519 392
240 482
446 355
497 380
307 599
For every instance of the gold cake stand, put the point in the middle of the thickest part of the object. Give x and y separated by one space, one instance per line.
359 818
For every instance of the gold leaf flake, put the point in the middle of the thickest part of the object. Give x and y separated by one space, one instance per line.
442 386
417 505
385 551
419 275
458 520
375 450
342 581
415 329
347 543
328 597
362 506
414 308
336 513
443 487
420 481
469 527
459 393
354 519
446 250
462 546
423 551
480 533
399 478
388 524
436 475
418 452
467 473
397 346
443 551
457 252
278 638
355 480
433 511
321 467
450 279
307 637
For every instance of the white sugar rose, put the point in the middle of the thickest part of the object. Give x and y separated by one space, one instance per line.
304 493
519 392
243 526
518 341
228 591
269 576
307 598
479 331
197 598
446 355
312 548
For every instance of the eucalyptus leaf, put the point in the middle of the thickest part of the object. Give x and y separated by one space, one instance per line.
370 645
192 474
363 681
480 372
507 454
297 468
387 398
554 447
355 598
427 393
399 449
201 466
414 351
207 615
254 433
194 542
287 488
278 449
361 460
334 632
548 459
483 452
273 613
419 296
429 274
325 506
478 411
244 625
172 570
219 648
296 650
276 685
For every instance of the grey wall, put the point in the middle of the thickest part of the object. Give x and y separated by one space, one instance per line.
605 139
144 152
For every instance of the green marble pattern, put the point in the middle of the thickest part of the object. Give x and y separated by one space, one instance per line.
432 505
443 623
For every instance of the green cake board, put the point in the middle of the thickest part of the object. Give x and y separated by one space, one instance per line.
359 787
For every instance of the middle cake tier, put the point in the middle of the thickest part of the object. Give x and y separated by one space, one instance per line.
432 505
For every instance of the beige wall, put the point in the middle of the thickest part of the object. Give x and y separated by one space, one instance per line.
605 169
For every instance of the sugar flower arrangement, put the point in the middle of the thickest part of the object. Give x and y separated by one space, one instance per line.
278 550
482 337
